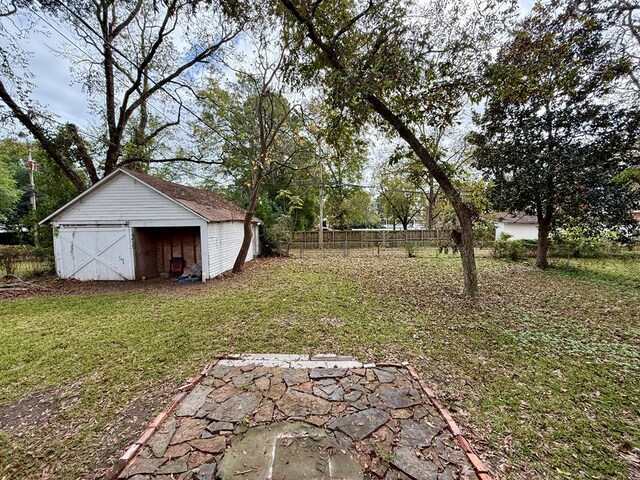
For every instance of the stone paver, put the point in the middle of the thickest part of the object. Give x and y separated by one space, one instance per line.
293 416
160 441
360 425
194 401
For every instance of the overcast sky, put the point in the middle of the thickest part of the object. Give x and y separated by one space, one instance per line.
54 86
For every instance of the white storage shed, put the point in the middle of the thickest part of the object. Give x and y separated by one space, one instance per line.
129 226
519 225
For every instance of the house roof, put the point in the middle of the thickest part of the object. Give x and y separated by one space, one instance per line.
208 205
517 217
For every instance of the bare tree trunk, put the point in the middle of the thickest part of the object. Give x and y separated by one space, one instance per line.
431 200
467 252
542 260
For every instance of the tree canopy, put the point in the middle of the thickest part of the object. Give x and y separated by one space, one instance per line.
398 64
550 139
126 56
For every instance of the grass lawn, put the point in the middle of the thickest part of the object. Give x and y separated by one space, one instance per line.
542 371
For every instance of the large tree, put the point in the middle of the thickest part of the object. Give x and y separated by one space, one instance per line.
257 129
551 139
126 56
341 152
407 63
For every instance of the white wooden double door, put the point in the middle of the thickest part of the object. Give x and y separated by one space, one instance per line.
94 253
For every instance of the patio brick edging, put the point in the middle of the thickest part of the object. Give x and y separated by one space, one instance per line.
479 467
481 470
133 449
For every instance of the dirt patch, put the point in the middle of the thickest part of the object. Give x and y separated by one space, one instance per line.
332 321
36 409
126 427
12 286
53 286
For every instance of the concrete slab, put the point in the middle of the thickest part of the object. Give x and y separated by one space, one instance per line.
286 451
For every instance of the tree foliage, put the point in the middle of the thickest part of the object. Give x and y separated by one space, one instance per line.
126 56
399 200
621 21
549 139
9 193
257 128
53 189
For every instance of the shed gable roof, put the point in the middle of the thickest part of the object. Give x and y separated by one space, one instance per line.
208 204
204 203
518 217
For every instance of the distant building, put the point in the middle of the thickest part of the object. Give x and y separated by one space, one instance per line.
519 225
636 215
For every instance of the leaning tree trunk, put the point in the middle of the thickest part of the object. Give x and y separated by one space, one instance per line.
248 230
464 213
542 260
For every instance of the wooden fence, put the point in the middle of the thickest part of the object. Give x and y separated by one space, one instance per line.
368 238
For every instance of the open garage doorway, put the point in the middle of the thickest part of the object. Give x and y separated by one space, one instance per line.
154 248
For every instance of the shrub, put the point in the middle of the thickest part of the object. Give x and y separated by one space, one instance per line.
275 240
484 234
578 242
25 260
412 249
514 250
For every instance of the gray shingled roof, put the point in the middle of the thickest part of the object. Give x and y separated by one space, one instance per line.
517 217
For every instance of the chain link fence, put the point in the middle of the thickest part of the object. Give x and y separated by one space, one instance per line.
25 261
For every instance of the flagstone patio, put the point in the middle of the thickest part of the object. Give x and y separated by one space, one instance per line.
298 417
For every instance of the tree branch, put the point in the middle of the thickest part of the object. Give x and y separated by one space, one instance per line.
41 136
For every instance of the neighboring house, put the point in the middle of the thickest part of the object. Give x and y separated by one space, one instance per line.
636 215
129 225
519 225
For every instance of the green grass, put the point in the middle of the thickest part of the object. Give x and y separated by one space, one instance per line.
623 271
542 369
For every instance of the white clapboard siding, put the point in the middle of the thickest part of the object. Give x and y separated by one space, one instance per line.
256 241
124 199
225 240
518 231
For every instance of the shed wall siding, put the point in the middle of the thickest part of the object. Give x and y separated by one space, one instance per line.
124 199
517 231
225 240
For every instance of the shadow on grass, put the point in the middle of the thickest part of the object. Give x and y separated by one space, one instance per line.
620 273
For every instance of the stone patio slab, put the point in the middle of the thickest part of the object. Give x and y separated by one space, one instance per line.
286 451
295 417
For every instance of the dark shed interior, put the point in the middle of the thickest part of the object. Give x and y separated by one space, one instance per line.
154 248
